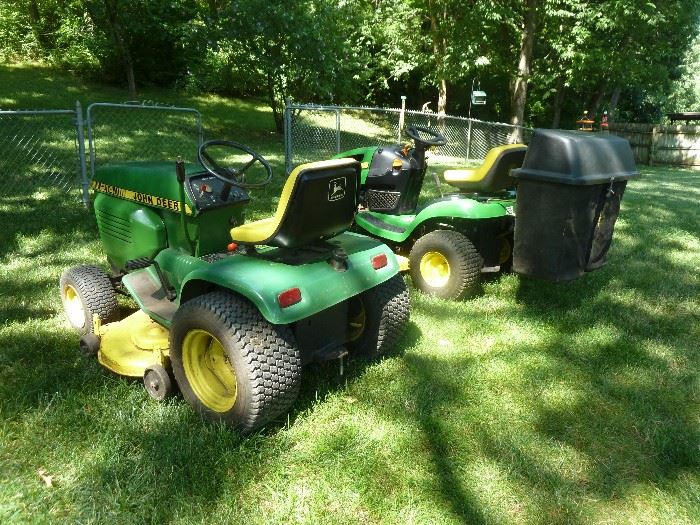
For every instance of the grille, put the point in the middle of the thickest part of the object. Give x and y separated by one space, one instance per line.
382 200
114 226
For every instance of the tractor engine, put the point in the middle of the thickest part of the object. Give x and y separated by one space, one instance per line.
139 211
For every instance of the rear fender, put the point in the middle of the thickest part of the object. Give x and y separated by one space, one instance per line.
450 210
261 280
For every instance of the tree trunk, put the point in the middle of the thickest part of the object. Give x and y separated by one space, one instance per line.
273 98
519 94
556 107
111 12
439 46
594 101
442 99
614 99
214 10
35 23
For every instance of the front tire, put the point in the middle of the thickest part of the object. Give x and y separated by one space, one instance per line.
231 364
444 263
86 290
378 318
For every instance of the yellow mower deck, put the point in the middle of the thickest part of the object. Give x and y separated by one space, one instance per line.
129 346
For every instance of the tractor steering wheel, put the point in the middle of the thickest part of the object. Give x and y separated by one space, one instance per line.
230 175
434 138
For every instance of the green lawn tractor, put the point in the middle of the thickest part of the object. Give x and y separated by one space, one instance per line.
448 243
229 311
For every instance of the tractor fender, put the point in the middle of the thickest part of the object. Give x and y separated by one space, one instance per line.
202 282
460 208
262 281
399 228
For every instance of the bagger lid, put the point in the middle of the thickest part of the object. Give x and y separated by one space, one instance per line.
576 158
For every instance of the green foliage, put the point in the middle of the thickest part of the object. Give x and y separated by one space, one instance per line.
536 403
625 56
685 95
15 42
590 49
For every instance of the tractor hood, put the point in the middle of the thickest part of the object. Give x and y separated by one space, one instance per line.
151 183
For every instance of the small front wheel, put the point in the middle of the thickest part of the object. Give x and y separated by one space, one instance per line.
446 264
90 345
157 382
86 290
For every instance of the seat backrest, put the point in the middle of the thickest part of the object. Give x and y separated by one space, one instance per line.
318 201
493 174
497 167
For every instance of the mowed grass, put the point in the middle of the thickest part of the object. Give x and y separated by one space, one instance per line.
533 403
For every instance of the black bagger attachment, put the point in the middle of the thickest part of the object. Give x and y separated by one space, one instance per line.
569 191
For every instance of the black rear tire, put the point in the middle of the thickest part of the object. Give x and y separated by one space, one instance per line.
231 364
381 314
86 290
445 263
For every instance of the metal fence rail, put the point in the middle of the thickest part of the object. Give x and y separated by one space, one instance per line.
142 132
318 132
40 148
46 148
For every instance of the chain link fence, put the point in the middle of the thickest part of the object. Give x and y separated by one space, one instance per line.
47 148
319 132
40 148
136 132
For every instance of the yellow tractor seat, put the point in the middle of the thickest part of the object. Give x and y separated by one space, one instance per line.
494 173
318 201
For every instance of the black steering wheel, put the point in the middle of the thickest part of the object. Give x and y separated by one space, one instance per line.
230 175
434 138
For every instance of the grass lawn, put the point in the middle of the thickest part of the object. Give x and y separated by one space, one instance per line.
534 403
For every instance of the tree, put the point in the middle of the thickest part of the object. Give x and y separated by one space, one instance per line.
109 16
305 54
620 51
519 92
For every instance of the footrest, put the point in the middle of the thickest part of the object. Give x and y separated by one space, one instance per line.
145 262
138 264
150 295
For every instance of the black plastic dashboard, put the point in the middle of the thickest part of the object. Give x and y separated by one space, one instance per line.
205 191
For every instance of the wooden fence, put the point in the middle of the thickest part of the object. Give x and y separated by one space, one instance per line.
673 145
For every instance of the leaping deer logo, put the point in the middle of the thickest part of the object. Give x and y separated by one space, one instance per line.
336 189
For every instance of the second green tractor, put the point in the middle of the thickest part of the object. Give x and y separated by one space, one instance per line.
447 244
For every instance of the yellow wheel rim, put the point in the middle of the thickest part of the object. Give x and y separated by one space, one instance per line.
209 371
74 306
504 252
435 269
356 322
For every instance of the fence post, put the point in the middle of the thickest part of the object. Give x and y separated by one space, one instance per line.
337 130
287 137
401 118
84 181
469 140
652 146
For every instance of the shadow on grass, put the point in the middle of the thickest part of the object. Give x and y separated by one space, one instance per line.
598 402
132 458
61 215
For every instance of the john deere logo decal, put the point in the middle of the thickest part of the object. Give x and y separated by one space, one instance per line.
336 189
144 198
